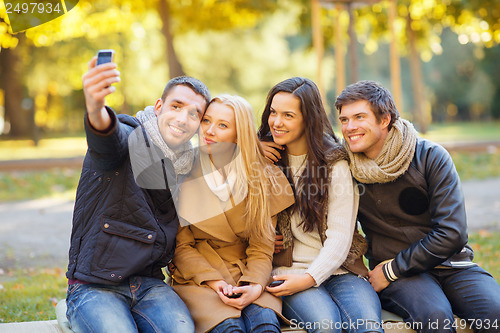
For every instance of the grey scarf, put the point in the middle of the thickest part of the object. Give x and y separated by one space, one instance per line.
392 161
182 157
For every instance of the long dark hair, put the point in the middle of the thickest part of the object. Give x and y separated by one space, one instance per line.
311 194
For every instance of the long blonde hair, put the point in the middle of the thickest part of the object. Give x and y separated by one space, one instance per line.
251 167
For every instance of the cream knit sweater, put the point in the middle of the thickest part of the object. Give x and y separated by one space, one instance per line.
309 255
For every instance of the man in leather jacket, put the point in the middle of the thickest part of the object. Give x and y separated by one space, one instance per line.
413 214
124 220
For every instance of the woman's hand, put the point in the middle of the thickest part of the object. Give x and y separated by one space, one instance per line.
248 293
271 150
221 288
294 283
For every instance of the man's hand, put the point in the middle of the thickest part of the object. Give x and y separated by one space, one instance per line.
294 283
271 150
97 84
377 278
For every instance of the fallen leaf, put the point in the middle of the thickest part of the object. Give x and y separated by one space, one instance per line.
18 286
484 233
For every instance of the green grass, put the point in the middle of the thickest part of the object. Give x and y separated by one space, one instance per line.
458 132
31 295
487 251
47 148
477 165
24 185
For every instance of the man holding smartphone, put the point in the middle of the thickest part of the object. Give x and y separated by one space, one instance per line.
124 220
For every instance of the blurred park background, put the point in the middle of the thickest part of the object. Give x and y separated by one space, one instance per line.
440 58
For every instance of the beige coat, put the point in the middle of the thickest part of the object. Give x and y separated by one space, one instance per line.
216 249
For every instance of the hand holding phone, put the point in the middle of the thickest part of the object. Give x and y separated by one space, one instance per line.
243 295
104 56
276 283
97 84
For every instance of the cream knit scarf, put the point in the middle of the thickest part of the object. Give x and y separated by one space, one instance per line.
183 156
392 161
224 185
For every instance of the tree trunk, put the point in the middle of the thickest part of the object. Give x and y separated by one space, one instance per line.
416 79
353 54
20 120
174 65
394 58
339 51
318 44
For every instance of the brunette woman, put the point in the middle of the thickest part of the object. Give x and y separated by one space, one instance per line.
319 252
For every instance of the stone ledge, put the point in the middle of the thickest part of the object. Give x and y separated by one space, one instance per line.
392 324
49 326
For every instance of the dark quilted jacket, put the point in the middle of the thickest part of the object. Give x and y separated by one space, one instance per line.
119 228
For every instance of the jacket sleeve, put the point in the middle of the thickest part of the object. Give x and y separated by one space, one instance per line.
110 148
191 264
447 210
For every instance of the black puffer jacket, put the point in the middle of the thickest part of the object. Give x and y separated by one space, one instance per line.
119 228
418 219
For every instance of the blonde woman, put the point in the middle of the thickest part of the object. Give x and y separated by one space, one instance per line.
227 206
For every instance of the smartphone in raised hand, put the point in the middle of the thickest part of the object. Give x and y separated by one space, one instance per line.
104 56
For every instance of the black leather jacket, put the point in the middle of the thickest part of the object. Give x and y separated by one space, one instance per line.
419 219
119 228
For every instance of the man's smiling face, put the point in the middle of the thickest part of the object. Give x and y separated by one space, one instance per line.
179 115
361 129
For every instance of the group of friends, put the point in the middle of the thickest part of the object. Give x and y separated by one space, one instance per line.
257 229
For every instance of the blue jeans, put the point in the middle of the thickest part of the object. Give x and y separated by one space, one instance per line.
429 300
343 302
141 304
254 318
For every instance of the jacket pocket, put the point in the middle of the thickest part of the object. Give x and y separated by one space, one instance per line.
121 250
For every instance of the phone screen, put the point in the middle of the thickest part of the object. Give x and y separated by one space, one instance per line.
104 57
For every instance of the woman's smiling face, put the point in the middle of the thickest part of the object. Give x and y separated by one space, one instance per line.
287 123
218 125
